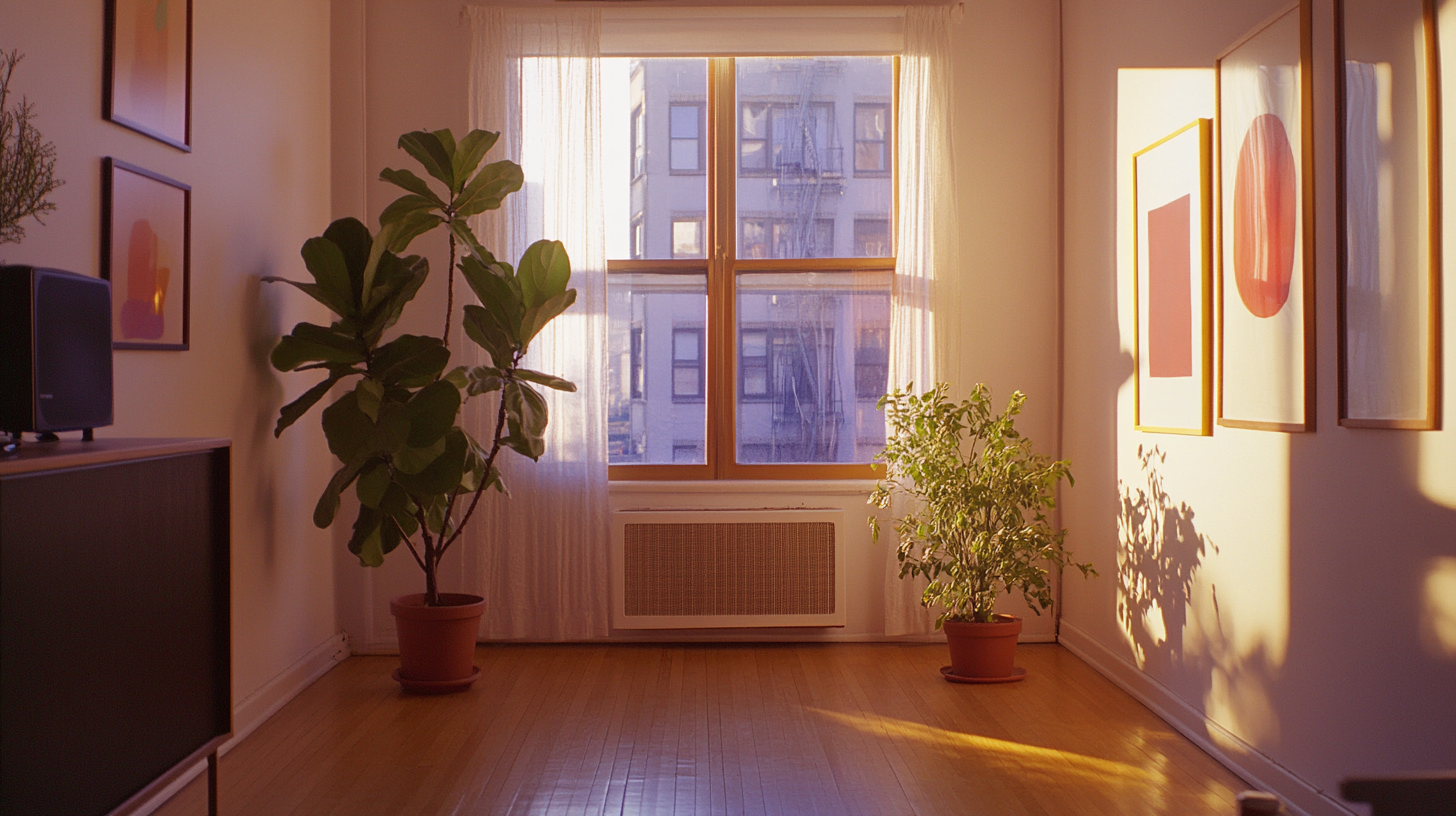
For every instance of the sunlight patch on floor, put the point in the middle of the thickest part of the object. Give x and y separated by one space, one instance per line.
1036 762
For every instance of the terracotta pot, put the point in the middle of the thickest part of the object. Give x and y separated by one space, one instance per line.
983 651
437 643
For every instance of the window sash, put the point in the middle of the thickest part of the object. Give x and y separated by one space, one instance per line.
719 372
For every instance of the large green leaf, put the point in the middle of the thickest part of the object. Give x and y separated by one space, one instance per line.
471 150
328 503
405 205
498 291
365 541
352 434
429 152
548 380
309 343
534 320
411 227
432 412
353 239
543 272
526 419
466 236
483 380
349 431
311 289
482 327
290 413
368 394
489 188
325 261
399 279
443 474
410 360
413 183
414 460
373 482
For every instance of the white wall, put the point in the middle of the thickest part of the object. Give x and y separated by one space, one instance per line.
259 171
1005 70
1292 597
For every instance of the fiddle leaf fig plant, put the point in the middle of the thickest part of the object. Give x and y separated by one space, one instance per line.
418 473
978 496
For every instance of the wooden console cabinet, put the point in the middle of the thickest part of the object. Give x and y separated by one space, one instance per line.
115 665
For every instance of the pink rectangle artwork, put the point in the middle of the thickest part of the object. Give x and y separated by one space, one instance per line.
1170 290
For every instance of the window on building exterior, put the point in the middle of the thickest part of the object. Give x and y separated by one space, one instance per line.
639 141
872 362
871 237
871 138
753 341
687 237
639 237
685 128
635 365
687 363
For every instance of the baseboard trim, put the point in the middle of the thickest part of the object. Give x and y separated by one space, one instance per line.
1258 769
391 647
255 709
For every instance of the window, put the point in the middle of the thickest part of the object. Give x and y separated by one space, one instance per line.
871 237
753 364
634 374
746 332
785 238
687 237
639 236
871 138
639 141
685 123
872 362
779 138
687 364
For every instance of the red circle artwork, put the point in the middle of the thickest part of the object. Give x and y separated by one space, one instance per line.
1264 197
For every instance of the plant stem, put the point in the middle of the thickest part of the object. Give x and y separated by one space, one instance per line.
449 291
500 422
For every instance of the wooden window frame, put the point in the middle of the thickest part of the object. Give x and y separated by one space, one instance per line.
721 268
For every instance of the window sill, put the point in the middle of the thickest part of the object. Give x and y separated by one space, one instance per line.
814 487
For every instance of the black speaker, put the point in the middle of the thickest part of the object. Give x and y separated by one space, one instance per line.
55 350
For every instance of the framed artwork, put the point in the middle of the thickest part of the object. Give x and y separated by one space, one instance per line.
147 84
146 225
1173 337
1389 212
1266 227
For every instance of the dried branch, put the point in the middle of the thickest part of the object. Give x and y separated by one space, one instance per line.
27 160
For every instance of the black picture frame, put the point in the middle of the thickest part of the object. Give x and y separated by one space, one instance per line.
121 281
122 108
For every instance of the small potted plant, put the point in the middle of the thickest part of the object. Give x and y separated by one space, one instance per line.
976 523
418 473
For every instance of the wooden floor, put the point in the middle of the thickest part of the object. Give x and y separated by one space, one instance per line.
764 729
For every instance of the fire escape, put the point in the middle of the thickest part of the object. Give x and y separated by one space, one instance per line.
807 413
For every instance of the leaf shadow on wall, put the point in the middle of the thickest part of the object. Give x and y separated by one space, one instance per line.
256 416
1172 618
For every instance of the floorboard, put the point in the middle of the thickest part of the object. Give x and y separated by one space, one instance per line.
771 729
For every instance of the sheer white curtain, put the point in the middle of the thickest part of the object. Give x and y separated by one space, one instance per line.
924 315
540 556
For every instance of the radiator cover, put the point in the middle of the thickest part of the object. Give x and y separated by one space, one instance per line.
727 568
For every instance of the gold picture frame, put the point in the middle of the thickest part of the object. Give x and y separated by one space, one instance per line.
1172 189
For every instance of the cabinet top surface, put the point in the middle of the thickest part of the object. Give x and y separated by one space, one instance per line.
34 457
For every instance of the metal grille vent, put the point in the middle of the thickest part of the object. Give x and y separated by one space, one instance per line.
739 568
